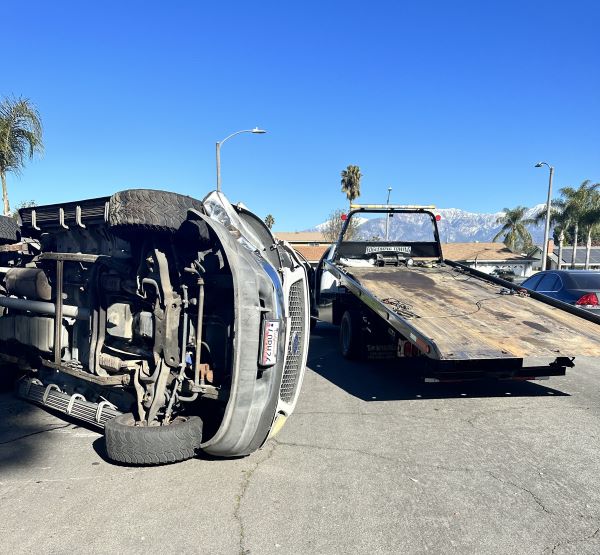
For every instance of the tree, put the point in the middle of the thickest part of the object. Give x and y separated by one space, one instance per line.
574 210
24 204
516 235
333 226
20 138
559 224
350 182
269 221
590 217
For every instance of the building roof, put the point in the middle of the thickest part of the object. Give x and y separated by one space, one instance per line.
567 253
481 251
301 236
310 252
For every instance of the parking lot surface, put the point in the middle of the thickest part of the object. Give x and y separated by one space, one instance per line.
371 462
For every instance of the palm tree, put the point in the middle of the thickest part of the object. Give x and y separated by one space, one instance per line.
269 221
591 217
559 222
516 235
351 182
20 138
573 207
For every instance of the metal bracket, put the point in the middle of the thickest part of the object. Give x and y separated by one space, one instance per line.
34 220
100 408
61 218
72 400
78 217
49 388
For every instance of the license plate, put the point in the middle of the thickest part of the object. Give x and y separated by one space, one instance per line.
270 336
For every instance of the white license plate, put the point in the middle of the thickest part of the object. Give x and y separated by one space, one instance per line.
270 336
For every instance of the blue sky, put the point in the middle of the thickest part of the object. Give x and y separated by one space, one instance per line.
448 103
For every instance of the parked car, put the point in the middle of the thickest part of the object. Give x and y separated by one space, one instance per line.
507 275
174 324
577 287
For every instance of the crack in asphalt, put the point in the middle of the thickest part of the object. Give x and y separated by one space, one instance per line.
571 542
471 420
522 488
34 433
240 496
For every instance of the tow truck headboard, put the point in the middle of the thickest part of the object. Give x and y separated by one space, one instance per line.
369 249
374 232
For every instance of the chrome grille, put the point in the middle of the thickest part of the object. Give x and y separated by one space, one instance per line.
295 348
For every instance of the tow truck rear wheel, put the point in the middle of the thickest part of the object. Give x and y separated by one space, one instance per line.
351 336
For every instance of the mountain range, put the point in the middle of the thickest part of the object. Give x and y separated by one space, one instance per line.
455 226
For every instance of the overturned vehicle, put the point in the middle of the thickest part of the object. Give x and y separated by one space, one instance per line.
175 324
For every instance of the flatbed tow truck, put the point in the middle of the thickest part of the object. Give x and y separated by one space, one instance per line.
402 299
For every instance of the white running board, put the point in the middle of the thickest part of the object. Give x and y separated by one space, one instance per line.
75 405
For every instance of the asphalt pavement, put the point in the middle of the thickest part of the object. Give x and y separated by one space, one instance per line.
371 462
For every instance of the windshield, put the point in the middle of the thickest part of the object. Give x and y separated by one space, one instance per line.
373 237
377 227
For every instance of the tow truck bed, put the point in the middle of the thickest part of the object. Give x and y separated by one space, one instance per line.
467 317
398 297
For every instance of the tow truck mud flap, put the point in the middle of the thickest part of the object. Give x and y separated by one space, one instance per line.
50 396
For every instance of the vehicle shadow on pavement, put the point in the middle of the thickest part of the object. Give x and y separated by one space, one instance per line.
19 423
399 380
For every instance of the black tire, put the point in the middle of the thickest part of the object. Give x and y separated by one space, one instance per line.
152 445
351 336
149 210
9 230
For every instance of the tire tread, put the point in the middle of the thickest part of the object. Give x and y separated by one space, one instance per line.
9 230
149 209
153 445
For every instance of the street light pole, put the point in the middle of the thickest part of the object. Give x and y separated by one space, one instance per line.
548 209
256 131
387 216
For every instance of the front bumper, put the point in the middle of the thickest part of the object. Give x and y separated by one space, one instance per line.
258 395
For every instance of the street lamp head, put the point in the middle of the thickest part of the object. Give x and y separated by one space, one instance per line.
389 188
539 165
258 131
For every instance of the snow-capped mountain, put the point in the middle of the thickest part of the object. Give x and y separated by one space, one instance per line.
455 226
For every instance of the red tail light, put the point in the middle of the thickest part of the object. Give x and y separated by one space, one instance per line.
589 299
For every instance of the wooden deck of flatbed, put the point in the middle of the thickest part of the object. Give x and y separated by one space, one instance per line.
469 318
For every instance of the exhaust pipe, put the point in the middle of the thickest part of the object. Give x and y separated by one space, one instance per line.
42 307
